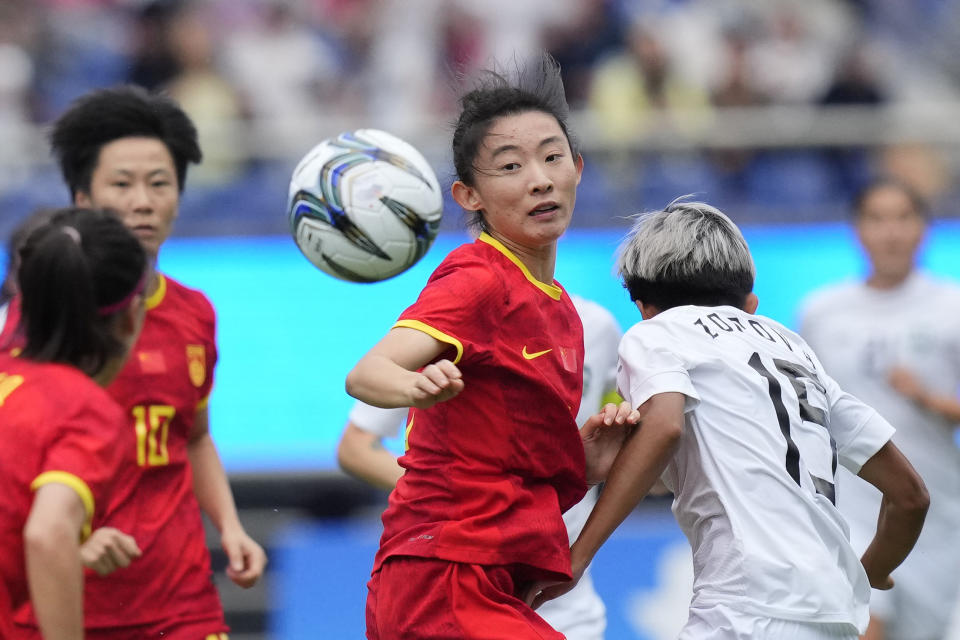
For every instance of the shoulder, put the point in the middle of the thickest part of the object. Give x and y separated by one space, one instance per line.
822 300
468 268
180 297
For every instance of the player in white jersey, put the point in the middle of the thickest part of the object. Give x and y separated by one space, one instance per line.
893 340
746 429
580 614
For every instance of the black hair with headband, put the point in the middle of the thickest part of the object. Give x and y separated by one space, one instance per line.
77 272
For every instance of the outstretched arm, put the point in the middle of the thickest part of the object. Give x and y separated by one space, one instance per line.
902 512
388 376
636 469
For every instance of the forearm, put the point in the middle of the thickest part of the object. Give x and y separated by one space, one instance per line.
897 531
380 382
55 577
210 483
362 455
636 469
943 405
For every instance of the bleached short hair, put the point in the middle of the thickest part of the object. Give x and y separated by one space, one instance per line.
688 253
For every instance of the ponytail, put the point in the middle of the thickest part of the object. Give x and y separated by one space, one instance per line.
76 273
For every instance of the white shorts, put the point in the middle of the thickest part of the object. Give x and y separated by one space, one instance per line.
720 622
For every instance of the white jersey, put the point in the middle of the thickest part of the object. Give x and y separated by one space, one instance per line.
580 613
753 477
861 333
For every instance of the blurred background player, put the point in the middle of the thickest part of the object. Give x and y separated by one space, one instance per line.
746 429
892 341
579 614
81 286
8 289
128 150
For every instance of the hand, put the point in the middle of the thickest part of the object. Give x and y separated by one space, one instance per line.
108 549
543 590
245 558
437 382
603 434
882 583
906 384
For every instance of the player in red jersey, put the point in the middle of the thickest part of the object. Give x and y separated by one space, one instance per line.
490 356
128 150
82 279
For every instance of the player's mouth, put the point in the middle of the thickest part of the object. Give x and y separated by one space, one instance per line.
544 208
144 231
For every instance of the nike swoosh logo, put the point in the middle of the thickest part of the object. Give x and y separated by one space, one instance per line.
535 354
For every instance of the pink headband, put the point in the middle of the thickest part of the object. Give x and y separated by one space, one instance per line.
108 309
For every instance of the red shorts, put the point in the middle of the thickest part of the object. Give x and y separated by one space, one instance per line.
161 631
429 599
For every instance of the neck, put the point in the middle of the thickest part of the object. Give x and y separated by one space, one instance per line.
153 279
886 281
109 372
539 261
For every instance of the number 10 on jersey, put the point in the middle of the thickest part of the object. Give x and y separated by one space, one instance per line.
152 425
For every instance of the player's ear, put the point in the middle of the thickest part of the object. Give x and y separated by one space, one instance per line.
579 163
751 303
82 199
647 311
465 196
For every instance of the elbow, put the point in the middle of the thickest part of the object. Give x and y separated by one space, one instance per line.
352 384
672 433
915 501
919 502
43 540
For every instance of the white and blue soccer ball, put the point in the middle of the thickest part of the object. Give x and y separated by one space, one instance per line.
364 206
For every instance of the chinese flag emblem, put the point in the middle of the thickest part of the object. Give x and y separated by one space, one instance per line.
196 364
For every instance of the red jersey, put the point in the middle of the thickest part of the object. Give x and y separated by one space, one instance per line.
490 471
56 425
166 380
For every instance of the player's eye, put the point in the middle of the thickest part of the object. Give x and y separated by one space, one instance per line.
554 157
510 166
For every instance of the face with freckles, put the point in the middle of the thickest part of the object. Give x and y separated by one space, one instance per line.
136 177
525 180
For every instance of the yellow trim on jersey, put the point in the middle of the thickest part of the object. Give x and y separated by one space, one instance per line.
75 483
157 296
434 333
406 434
552 290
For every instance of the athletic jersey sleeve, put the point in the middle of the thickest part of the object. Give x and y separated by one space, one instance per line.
646 368
84 456
385 423
856 427
208 324
458 307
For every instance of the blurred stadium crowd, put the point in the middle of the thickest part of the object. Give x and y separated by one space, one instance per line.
775 110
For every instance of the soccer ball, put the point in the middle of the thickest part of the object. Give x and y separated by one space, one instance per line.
364 206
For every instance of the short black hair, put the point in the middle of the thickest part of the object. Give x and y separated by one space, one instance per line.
919 203
535 86
76 273
125 111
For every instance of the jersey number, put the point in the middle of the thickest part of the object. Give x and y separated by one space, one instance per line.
152 424
808 413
